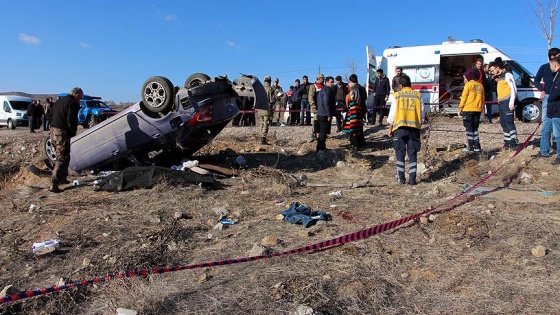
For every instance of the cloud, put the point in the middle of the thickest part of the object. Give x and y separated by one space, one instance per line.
29 39
166 17
231 43
84 45
170 17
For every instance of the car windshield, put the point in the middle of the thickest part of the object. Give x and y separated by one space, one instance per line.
523 77
19 105
96 104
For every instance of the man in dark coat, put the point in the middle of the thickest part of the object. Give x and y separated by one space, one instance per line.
64 125
31 116
381 91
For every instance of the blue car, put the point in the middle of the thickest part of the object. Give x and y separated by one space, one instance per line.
92 111
168 124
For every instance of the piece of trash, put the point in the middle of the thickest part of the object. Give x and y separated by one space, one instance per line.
336 194
45 247
227 222
78 182
279 201
32 207
333 206
190 164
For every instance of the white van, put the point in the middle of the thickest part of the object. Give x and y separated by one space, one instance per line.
13 110
437 72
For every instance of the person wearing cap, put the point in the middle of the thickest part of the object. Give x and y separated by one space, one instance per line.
64 126
312 97
265 115
279 103
405 122
470 108
341 90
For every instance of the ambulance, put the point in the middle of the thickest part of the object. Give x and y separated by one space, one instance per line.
437 72
13 110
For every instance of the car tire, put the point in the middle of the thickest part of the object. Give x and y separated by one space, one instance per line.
196 79
90 121
157 94
50 152
531 112
11 124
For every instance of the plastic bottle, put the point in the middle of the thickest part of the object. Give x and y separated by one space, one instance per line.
45 244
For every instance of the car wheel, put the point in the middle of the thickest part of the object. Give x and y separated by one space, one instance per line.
196 79
50 152
91 121
157 94
531 112
11 124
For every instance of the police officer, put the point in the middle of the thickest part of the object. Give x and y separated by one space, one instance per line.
266 114
405 122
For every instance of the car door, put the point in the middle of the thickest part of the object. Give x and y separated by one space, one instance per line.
89 151
3 113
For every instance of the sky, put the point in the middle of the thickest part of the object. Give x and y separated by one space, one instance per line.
109 48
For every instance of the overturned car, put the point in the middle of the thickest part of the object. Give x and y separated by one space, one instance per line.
169 123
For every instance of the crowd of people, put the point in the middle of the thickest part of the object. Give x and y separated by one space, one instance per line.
39 115
316 104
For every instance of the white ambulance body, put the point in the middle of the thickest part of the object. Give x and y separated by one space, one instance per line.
437 72
13 110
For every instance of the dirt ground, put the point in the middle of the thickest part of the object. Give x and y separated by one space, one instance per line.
478 257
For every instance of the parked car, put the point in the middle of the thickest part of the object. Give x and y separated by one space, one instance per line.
13 110
92 110
167 125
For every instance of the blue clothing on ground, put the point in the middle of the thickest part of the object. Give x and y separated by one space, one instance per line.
301 214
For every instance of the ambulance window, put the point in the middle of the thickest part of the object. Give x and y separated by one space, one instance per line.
521 75
6 107
421 74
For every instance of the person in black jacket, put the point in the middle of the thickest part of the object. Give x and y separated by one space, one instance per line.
297 95
31 116
340 92
381 91
325 111
64 125
553 108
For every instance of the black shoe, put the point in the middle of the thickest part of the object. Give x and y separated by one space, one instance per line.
263 141
54 188
401 181
64 181
412 182
539 155
556 161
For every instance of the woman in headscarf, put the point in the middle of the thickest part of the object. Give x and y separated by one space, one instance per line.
470 108
354 122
